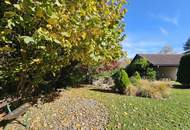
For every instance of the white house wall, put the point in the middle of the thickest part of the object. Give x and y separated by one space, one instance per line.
168 72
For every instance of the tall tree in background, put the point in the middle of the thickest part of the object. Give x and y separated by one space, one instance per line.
187 45
40 36
167 49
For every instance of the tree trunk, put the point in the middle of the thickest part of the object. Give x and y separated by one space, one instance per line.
25 85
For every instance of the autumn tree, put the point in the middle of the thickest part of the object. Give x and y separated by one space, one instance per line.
40 36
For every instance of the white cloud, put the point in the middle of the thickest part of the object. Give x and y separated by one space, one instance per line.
173 20
167 18
164 31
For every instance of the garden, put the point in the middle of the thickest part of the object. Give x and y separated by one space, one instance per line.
117 111
60 67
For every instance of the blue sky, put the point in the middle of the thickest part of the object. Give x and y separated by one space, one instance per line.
152 24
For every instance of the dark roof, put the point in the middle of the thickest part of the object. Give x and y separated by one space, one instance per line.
163 59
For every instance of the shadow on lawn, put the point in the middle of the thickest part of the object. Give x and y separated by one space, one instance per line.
176 86
104 90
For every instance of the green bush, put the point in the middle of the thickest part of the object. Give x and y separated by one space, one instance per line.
151 74
135 78
137 75
121 81
72 75
139 65
183 74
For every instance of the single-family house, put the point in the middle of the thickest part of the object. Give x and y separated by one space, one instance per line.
166 65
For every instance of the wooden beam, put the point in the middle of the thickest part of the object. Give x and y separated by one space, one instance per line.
17 112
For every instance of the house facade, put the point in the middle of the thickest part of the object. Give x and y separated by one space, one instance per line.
166 65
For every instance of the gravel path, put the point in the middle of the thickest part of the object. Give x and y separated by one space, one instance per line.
68 112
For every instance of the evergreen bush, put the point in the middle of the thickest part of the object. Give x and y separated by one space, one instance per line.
183 74
121 81
151 74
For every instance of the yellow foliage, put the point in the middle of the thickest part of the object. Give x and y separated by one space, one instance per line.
52 21
84 35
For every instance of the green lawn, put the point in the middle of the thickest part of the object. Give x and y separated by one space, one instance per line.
136 113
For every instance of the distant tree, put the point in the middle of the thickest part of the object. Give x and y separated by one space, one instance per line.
187 45
167 49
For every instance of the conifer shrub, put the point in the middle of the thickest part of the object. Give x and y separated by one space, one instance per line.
183 74
121 81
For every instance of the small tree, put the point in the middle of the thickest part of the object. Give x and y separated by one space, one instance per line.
183 74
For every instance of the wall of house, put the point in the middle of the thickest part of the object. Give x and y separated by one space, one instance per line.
167 72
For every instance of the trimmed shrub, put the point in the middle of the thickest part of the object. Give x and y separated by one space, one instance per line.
121 81
183 74
151 74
